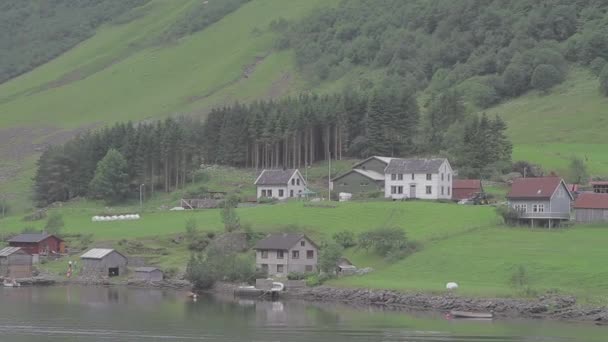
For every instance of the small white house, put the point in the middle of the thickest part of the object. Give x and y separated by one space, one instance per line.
280 184
418 178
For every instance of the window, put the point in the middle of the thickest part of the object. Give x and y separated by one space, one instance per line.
429 176
280 268
290 193
522 208
308 268
442 177
344 184
264 254
412 176
263 193
393 189
265 267
269 193
293 181
400 176
302 243
364 183
393 176
442 190
281 192
396 189
298 181
280 254
295 254
538 208
428 190
310 254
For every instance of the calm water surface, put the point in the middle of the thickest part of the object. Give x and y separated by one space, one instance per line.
119 314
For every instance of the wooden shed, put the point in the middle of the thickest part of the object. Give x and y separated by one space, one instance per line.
15 263
591 207
39 243
148 274
103 262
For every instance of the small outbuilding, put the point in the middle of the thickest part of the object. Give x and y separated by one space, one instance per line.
15 263
38 243
465 188
345 267
591 207
148 274
103 262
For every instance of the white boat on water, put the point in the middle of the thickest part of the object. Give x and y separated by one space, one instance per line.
9 283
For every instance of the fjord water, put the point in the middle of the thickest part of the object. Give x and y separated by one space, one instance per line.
76 313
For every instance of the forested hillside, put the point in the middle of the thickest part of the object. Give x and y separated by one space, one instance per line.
488 50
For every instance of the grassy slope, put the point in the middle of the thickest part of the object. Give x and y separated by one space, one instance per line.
549 129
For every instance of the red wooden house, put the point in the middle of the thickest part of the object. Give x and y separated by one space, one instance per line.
465 188
40 243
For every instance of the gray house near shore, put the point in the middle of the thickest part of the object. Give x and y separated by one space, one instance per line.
542 201
283 253
102 262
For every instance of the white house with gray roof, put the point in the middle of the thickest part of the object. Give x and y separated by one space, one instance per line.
418 178
282 253
280 184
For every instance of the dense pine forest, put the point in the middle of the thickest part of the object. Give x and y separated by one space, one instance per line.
488 49
112 162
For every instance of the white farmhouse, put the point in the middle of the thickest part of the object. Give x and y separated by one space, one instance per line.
418 178
280 184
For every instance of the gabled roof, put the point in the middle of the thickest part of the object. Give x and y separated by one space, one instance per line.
591 200
281 241
535 188
371 174
31 238
466 184
4 252
415 165
146 269
385 160
275 177
98 253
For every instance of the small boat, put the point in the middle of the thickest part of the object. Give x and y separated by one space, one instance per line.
11 283
471 315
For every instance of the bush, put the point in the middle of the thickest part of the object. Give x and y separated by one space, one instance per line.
604 80
390 243
191 231
597 65
54 224
170 272
509 215
299 276
198 244
318 279
329 256
204 270
85 240
545 76
345 239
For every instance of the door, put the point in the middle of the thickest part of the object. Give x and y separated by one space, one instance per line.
413 191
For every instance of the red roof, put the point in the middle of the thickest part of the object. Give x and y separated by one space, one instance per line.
536 188
591 200
598 182
572 187
466 184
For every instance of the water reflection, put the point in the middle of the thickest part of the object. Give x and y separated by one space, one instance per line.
75 313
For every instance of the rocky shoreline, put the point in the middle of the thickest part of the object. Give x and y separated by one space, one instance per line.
558 307
58 281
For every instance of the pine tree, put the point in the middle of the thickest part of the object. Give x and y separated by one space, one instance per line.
111 180
377 143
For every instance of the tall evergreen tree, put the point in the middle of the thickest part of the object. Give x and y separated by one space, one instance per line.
111 180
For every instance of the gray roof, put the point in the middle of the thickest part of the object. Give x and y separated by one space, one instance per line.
373 175
97 253
33 238
385 160
146 269
275 177
414 165
4 252
280 241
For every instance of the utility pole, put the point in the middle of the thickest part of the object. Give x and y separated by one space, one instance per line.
141 197
329 179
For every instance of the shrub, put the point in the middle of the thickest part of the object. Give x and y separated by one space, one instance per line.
198 244
597 65
191 231
329 256
520 278
390 243
85 240
345 239
509 215
545 76
204 270
54 224
318 279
